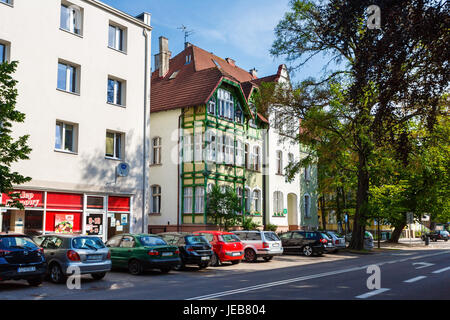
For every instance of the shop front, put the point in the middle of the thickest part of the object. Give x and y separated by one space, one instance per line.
57 212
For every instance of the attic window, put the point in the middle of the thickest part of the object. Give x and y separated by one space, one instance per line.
216 63
174 75
188 59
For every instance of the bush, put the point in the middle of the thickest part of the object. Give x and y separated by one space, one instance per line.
249 224
271 227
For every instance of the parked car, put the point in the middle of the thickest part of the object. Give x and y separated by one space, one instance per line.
329 245
264 244
337 240
194 249
139 252
21 258
368 240
437 235
64 251
226 246
306 242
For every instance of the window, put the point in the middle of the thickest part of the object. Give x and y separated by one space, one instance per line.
7 1
187 148
71 18
114 145
307 203
279 162
226 104
115 91
229 149
239 116
240 161
256 158
212 106
252 121
210 146
247 156
239 195
3 53
156 150
156 199
187 201
198 154
116 38
308 173
278 205
256 200
220 147
67 77
65 137
199 199
188 59
247 200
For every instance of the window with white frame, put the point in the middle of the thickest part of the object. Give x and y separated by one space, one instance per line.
279 160
65 136
156 199
226 104
212 106
116 90
240 197
198 146
256 158
239 114
278 205
187 148
247 155
210 145
257 200
220 147
187 200
71 18
114 145
252 121
116 38
3 52
156 150
229 149
307 204
7 1
68 77
240 161
199 199
248 202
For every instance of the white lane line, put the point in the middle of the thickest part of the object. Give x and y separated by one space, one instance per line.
372 293
415 279
441 270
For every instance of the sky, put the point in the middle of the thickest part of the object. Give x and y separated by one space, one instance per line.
239 29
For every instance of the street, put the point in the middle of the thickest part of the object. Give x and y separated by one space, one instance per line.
408 273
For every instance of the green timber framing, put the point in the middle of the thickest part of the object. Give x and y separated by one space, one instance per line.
197 120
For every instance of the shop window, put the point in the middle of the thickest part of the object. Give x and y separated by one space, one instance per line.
95 203
121 204
64 201
63 222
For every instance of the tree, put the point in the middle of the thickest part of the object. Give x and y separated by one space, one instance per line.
223 207
382 78
11 149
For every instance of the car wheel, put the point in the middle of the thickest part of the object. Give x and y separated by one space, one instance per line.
250 255
165 270
180 266
56 274
135 267
203 265
35 282
235 261
307 251
215 260
267 259
98 276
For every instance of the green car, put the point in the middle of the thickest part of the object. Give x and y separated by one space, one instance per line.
139 252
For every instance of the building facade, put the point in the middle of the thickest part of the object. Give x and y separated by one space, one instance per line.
82 72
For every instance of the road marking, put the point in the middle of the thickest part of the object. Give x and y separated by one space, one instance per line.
314 276
415 279
441 270
372 293
423 264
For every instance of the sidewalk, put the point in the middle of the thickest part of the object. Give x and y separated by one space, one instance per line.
413 243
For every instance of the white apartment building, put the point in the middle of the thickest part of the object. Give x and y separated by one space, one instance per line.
84 70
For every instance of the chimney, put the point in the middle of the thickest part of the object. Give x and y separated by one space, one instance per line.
163 57
254 73
187 45
145 17
231 62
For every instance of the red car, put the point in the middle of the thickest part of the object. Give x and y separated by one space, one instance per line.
226 246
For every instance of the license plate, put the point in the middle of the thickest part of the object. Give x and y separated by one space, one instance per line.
275 245
235 254
28 269
205 258
95 257
167 254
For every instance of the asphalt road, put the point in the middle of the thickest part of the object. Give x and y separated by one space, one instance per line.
404 274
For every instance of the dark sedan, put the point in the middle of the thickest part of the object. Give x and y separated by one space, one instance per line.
21 258
194 249
305 242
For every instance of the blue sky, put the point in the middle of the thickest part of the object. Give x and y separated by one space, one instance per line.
240 29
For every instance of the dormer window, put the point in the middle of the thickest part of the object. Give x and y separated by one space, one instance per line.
174 75
188 59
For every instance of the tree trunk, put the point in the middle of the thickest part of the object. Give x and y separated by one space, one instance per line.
397 232
322 206
362 198
338 209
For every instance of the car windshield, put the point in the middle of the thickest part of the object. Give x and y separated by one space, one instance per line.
17 243
196 240
325 235
152 241
230 238
89 243
270 236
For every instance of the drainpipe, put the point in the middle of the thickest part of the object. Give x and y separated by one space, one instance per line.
146 120
180 163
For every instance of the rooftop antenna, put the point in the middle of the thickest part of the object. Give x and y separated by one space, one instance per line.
187 32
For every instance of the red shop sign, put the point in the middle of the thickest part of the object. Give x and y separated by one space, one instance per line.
29 199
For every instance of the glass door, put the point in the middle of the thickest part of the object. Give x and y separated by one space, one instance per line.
95 216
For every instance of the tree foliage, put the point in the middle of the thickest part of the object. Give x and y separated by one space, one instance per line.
223 207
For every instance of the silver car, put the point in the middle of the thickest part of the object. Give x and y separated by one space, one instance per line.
338 241
87 253
265 244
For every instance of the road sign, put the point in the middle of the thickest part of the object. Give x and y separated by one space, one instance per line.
409 218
